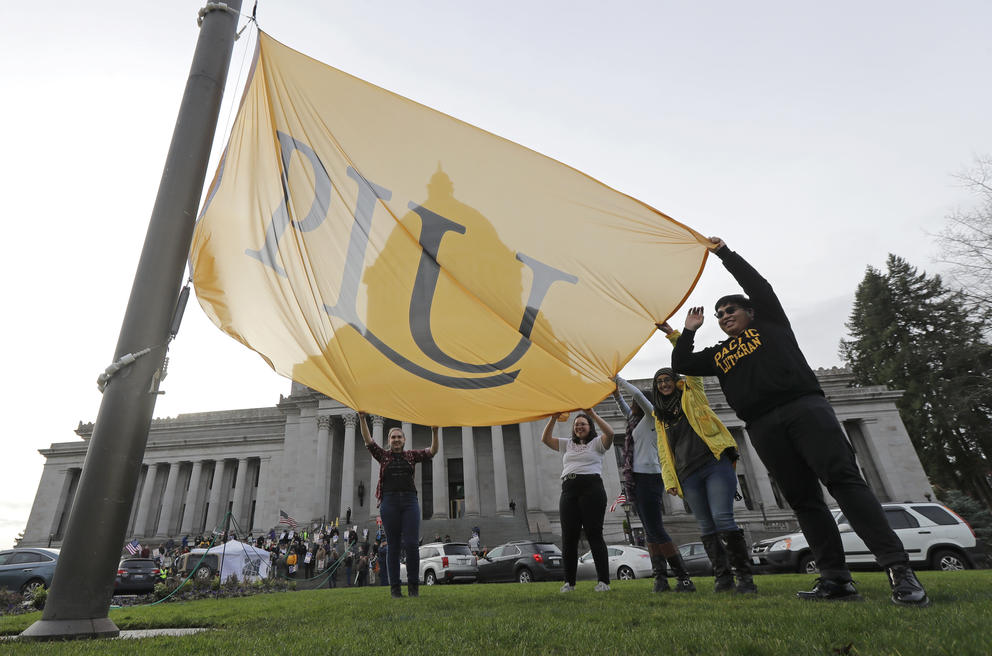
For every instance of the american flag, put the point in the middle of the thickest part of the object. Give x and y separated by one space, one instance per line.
620 499
284 518
133 547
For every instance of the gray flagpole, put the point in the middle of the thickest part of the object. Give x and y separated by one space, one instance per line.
83 584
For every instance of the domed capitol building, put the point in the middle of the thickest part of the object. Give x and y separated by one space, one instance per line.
305 456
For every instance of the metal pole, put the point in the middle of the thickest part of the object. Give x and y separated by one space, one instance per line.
83 583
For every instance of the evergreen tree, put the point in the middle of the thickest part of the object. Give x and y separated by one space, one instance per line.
910 332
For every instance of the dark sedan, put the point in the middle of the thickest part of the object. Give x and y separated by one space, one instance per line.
697 563
136 575
25 570
523 561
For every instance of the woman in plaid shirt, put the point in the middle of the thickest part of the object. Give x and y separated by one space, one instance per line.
398 503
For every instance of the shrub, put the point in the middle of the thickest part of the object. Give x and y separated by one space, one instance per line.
39 598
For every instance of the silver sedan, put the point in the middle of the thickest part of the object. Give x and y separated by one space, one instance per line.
626 562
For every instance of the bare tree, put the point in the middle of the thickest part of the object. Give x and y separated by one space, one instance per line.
966 241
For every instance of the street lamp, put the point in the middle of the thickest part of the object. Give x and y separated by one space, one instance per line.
630 529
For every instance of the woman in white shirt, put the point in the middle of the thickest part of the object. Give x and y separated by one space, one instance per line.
583 498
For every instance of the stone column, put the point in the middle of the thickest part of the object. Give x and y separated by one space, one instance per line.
189 518
168 514
418 471
762 484
238 507
213 512
528 451
322 507
499 472
141 522
377 423
440 480
266 514
348 466
473 506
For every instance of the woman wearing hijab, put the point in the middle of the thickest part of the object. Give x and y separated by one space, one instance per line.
582 504
698 459
644 487
398 503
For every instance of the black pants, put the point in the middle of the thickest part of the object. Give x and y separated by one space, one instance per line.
583 506
802 442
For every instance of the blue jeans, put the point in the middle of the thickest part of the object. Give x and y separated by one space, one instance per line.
400 514
649 492
709 492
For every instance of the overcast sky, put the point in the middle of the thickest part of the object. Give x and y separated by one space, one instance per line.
814 138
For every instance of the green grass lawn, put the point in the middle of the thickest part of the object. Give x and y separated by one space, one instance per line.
535 619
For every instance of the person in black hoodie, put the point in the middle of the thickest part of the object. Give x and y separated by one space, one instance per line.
792 426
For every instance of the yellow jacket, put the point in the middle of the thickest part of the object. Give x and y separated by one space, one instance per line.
701 418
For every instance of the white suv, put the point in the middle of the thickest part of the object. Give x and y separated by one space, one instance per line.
448 562
932 534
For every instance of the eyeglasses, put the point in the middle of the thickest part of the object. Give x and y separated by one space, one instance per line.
730 309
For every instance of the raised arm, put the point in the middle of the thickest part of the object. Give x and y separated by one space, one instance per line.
365 428
434 441
766 303
684 361
604 428
547 437
618 399
638 395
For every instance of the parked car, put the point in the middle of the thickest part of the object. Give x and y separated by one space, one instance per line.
697 563
932 534
523 561
136 575
441 562
205 569
626 563
25 570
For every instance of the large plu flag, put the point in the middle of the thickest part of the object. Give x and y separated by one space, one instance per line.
411 265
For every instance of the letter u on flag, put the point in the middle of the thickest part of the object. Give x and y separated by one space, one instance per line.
409 264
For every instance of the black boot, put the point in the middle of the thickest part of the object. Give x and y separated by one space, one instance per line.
396 591
737 554
723 578
413 589
685 583
831 590
660 572
906 588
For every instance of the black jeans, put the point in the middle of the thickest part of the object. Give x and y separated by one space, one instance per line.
583 506
802 441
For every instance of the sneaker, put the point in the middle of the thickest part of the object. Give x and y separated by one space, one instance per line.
906 588
831 590
567 588
601 587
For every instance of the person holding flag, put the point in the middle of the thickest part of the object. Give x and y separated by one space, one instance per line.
792 426
698 462
583 498
642 481
398 503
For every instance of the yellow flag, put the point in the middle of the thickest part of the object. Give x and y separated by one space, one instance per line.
411 265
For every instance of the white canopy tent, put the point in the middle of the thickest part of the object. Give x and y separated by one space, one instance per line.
242 561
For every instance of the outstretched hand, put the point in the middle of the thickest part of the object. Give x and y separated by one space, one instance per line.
665 328
716 244
694 319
